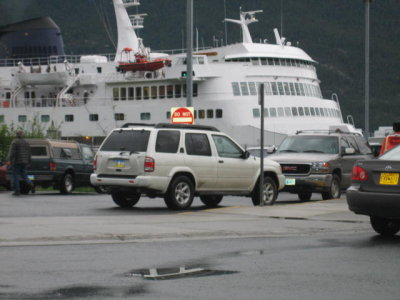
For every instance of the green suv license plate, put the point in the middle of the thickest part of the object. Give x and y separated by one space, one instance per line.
290 181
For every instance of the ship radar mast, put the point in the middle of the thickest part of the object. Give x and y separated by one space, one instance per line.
126 25
246 18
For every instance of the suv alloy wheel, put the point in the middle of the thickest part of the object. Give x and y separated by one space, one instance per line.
67 184
270 192
180 193
334 190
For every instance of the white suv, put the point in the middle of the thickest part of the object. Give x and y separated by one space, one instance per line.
178 162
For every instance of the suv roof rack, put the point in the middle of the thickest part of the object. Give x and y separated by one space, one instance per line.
126 125
186 126
338 130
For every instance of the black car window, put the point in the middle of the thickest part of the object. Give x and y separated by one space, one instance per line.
197 144
167 141
127 140
226 147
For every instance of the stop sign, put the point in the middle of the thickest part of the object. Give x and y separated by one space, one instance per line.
182 115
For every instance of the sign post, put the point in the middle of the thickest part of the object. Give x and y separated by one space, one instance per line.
261 102
182 115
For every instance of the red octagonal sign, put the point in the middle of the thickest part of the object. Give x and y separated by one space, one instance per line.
182 115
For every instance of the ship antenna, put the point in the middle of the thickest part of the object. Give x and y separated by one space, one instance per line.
246 18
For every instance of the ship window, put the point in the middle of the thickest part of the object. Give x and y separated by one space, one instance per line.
45 118
292 89
146 93
287 89
139 93
280 88
184 91
27 95
123 93
301 111
195 90
170 91
266 113
271 61
116 94
326 112
76 71
131 93
154 92
8 95
244 88
202 114
272 112
119 117
178 90
312 111
33 95
22 118
256 113
264 61
317 113
93 117
297 89
195 114
267 87
99 70
168 114
319 92
69 118
236 89
145 116
274 88
307 89
210 113
218 113
322 112
161 91
280 112
288 112
252 87
294 112
307 111
276 62
254 61
301 89
1 118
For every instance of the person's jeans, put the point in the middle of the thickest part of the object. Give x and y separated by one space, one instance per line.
19 170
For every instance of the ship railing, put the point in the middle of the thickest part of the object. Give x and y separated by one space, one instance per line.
36 61
181 50
70 101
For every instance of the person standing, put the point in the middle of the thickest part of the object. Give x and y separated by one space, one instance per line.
19 157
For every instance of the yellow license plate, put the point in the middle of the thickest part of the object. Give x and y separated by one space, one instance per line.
389 178
119 164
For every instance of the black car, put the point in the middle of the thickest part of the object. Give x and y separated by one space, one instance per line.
375 191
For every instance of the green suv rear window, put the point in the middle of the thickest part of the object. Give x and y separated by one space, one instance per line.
127 140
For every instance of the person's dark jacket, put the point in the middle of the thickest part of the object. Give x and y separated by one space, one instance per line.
20 152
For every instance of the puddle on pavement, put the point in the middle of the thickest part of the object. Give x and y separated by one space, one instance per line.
176 273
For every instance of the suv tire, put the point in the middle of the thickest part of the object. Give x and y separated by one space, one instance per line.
270 192
67 184
124 199
304 196
211 200
385 227
334 190
180 193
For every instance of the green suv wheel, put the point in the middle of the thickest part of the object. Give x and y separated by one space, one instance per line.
67 184
180 193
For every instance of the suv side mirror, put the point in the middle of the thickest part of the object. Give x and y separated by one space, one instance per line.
349 151
246 154
271 149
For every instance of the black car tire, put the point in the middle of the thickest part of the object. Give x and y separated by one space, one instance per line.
334 190
124 199
67 184
270 192
211 200
304 196
24 188
180 193
385 227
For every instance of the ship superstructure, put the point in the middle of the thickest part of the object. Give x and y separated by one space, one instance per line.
90 95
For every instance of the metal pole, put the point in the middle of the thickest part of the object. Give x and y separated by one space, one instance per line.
226 30
366 113
189 55
261 102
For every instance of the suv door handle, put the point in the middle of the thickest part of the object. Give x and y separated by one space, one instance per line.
221 161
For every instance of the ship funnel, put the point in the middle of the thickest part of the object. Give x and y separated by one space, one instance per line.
127 37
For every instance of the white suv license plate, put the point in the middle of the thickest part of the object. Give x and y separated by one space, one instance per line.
119 164
290 181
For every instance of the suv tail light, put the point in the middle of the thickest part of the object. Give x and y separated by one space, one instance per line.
52 166
149 164
359 174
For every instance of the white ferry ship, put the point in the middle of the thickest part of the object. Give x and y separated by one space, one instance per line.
92 94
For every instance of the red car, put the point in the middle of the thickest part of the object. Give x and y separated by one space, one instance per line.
3 172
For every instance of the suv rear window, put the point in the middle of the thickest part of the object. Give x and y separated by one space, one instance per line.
127 140
39 151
